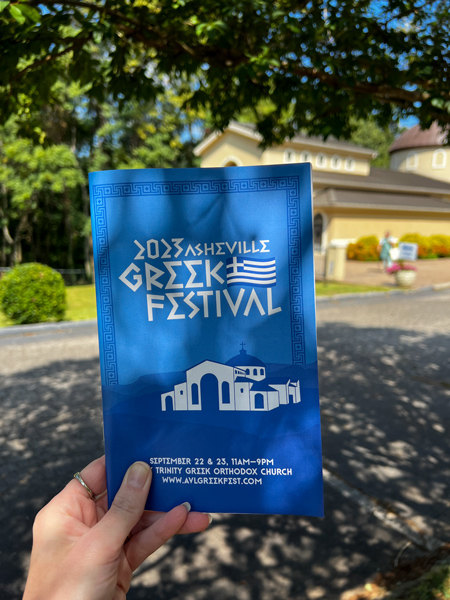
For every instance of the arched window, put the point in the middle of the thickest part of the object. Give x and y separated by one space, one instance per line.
336 162
194 393
349 164
255 371
225 392
305 157
261 371
318 231
231 161
321 161
289 155
439 159
412 161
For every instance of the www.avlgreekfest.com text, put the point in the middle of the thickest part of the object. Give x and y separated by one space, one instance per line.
216 471
181 287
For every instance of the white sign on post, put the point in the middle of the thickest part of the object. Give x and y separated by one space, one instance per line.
407 251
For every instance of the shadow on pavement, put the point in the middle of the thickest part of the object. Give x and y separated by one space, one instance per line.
385 415
385 402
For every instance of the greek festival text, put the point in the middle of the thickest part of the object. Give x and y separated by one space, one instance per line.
184 280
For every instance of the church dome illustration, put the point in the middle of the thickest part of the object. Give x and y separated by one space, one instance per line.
253 367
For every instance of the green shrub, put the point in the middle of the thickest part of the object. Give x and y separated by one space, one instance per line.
365 248
33 293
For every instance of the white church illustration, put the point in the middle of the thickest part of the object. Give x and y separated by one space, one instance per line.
240 384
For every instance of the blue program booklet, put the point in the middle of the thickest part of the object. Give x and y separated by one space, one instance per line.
207 331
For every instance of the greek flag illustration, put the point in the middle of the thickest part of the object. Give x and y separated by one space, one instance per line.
257 272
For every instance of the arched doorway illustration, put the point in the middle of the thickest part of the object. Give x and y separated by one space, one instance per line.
259 401
168 403
209 393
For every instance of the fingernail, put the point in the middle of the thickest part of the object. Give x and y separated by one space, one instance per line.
210 518
187 506
138 474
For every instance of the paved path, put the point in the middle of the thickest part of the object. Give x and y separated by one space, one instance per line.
429 272
385 389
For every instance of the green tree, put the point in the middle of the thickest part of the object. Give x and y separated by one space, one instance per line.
45 156
325 61
368 134
139 135
37 186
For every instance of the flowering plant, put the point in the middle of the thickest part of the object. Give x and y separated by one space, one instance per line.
400 266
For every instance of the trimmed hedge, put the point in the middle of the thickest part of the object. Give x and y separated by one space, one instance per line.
366 248
33 293
433 246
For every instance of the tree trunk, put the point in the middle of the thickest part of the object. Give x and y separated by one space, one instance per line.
69 233
7 240
88 250
16 257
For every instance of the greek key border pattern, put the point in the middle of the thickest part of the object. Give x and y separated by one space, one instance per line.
102 193
295 274
103 282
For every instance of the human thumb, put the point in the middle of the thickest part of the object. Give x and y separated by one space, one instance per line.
128 505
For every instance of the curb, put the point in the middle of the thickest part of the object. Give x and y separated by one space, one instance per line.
437 287
38 328
66 326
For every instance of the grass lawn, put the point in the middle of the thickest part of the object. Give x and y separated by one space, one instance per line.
80 303
81 299
324 288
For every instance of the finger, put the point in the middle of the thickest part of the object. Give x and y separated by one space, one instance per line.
194 523
94 476
127 507
149 540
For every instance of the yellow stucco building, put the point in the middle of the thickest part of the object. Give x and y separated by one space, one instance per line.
351 198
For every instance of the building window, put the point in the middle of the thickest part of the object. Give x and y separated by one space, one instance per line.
231 161
318 231
289 156
242 390
336 162
305 157
261 371
181 392
439 159
349 164
412 161
321 161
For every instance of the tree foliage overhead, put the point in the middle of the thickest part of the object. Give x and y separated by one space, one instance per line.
323 60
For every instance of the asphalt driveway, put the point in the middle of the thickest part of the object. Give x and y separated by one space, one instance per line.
385 396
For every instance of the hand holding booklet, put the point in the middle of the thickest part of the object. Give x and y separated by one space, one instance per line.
208 354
